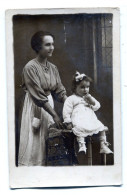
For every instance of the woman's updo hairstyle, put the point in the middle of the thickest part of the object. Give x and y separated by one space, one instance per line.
77 79
37 39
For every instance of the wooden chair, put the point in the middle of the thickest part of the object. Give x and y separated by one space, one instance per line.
103 156
60 149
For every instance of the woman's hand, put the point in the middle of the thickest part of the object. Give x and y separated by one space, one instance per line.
69 126
64 98
58 122
52 112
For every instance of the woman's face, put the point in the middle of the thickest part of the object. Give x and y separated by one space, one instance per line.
47 46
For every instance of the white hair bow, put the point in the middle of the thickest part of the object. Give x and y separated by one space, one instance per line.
79 76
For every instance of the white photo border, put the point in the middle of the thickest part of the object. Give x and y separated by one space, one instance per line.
40 176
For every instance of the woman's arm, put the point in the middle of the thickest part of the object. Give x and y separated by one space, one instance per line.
37 93
64 98
59 93
52 112
32 83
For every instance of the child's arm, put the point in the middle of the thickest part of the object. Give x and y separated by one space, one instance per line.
95 105
67 110
89 99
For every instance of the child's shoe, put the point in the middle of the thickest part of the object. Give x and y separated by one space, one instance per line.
104 148
82 147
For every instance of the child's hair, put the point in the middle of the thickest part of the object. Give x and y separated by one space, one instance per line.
76 82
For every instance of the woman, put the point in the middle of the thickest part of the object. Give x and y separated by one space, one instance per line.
41 81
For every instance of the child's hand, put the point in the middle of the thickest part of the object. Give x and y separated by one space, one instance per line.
69 126
89 99
87 96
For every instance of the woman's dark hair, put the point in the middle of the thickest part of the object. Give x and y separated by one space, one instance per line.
37 38
76 83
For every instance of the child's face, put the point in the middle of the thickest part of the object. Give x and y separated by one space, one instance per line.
83 88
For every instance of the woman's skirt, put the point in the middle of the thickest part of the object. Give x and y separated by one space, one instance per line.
32 147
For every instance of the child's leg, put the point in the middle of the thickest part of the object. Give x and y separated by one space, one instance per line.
82 144
104 144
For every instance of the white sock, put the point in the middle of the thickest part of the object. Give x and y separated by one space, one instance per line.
80 139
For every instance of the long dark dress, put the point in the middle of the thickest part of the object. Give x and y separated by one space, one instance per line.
38 85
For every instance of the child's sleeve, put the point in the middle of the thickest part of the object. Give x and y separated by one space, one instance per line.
67 110
96 106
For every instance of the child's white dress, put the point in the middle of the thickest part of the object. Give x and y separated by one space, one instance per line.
82 116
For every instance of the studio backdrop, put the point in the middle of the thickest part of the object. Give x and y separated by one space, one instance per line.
83 42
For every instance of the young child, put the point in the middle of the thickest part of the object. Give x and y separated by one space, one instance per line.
78 114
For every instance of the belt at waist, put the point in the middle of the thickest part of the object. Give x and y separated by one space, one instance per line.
81 104
47 93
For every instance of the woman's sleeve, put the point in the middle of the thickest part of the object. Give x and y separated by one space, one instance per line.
96 106
60 91
32 84
67 110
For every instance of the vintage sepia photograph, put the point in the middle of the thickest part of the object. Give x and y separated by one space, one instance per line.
64 89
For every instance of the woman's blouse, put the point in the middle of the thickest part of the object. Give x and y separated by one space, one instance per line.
40 82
